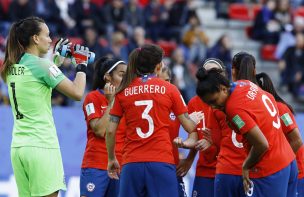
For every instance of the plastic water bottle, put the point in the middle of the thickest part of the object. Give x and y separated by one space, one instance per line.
65 51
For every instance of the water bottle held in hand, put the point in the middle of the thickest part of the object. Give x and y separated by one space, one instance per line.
65 51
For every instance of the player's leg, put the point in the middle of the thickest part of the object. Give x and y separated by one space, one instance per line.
113 188
93 182
272 185
300 188
293 180
160 179
181 187
203 187
132 182
228 186
45 170
20 173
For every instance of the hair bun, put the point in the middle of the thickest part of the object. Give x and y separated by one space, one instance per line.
201 74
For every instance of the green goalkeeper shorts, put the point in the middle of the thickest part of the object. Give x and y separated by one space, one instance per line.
38 171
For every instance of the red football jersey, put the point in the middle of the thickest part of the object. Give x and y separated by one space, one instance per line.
232 152
288 124
174 131
206 163
96 156
249 106
146 104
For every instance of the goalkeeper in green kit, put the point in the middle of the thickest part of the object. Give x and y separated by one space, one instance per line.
35 152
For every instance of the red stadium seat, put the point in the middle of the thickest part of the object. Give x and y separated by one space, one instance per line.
99 3
248 31
299 11
167 46
268 52
239 11
143 3
256 9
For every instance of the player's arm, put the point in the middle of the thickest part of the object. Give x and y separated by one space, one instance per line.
294 139
189 122
185 164
99 125
189 143
113 165
110 136
75 89
259 146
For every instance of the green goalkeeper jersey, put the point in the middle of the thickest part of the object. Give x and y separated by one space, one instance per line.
30 84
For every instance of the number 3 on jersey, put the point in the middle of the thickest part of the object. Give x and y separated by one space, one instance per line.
145 115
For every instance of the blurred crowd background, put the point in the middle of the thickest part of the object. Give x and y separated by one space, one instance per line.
188 30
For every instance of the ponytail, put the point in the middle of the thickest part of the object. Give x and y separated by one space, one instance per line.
142 61
266 84
13 50
18 40
244 64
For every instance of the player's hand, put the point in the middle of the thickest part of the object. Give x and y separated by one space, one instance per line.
247 183
80 55
109 91
113 169
178 142
57 58
196 117
202 145
207 135
183 167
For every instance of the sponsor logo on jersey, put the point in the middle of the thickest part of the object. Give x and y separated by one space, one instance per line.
287 119
238 121
90 187
90 109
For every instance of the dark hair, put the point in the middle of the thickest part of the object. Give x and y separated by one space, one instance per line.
101 67
244 64
215 61
266 84
142 61
19 39
209 82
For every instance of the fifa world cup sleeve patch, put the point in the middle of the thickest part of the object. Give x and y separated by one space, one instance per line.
237 120
55 71
287 119
90 109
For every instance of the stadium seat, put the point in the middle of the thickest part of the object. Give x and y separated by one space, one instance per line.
248 31
167 46
299 11
239 11
99 3
143 3
256 9
268 52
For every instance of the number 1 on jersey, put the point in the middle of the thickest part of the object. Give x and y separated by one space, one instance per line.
145 115
19 115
